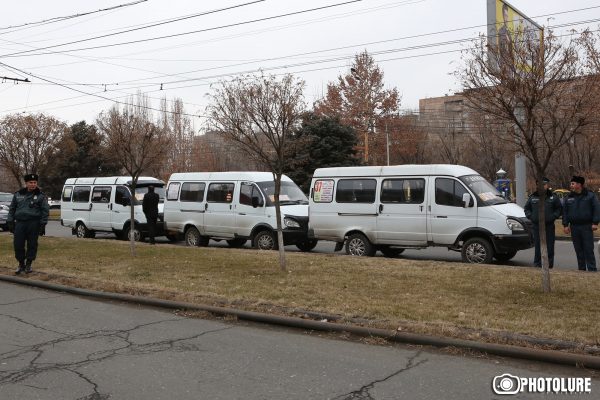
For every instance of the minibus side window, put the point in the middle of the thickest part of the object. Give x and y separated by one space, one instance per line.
220 193
173 191
81 194
405 191
67 191
192 191
101 194
122 196
355 191
449 192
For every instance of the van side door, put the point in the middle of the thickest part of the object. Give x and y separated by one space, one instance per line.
121 212
219 218
402 211
249 213
100 212
449 216
191 207
82 204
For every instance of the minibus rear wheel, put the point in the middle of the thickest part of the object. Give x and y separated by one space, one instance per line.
358 245
477 251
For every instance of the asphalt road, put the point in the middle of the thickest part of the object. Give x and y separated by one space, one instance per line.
59 346
564 252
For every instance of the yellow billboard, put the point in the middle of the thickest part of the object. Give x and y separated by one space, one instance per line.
513 37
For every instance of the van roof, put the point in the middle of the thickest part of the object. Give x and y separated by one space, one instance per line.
113 180
406 170
253 176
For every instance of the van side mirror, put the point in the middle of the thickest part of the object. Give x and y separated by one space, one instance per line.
256 201
467 200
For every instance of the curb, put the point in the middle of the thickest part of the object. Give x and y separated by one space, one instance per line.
550 356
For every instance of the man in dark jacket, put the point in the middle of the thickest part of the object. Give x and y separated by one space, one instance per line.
27 219
150 208
581 215
552 210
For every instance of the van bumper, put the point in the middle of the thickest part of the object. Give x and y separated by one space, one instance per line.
508 243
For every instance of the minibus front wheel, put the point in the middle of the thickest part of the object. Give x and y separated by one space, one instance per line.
477 251
358 245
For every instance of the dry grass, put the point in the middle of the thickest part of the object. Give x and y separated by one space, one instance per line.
418 296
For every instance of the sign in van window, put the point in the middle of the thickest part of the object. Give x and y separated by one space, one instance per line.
355 191
173 191
323 191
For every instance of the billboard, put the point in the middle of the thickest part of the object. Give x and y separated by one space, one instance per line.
513 38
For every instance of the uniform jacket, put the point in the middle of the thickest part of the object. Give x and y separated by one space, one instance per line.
150 204
27 206
583 208
552 207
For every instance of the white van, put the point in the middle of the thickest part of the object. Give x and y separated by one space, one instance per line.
394 208
90 205
236 207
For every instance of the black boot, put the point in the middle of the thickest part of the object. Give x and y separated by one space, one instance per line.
28 266
20 268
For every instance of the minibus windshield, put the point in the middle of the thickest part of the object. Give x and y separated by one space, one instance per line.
288 194
140 191
486 193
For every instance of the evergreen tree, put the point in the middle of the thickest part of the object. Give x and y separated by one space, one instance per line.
328 143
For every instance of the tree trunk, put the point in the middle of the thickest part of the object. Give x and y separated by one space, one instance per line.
132 218
542 235
282 263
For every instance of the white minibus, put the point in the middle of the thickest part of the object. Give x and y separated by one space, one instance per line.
236 207
393 208
90 205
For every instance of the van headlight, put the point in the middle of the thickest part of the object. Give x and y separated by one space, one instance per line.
514 225
291 223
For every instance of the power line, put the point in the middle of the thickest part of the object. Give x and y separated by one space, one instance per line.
67 17
131 30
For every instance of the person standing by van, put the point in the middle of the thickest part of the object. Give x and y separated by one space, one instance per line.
581 215
150 208
552 210
27 219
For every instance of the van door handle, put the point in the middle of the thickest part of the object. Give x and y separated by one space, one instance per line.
241 213
91 205
380 208
441 216
206 206
110 206
421 208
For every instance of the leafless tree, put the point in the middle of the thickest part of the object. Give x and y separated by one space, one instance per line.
178 126
541 96
136 141
260 113
28 142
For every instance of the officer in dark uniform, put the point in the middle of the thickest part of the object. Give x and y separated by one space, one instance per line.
552 211
150 208
27 219
581 215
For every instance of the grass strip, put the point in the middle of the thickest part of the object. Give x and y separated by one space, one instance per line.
418 296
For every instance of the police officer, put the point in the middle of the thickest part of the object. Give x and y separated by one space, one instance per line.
27 219
581 215
150 208
552 210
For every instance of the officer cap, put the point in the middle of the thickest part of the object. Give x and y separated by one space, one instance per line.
578 179
30 177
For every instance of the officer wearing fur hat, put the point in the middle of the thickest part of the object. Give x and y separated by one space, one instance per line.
581 215
27 219
552 211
